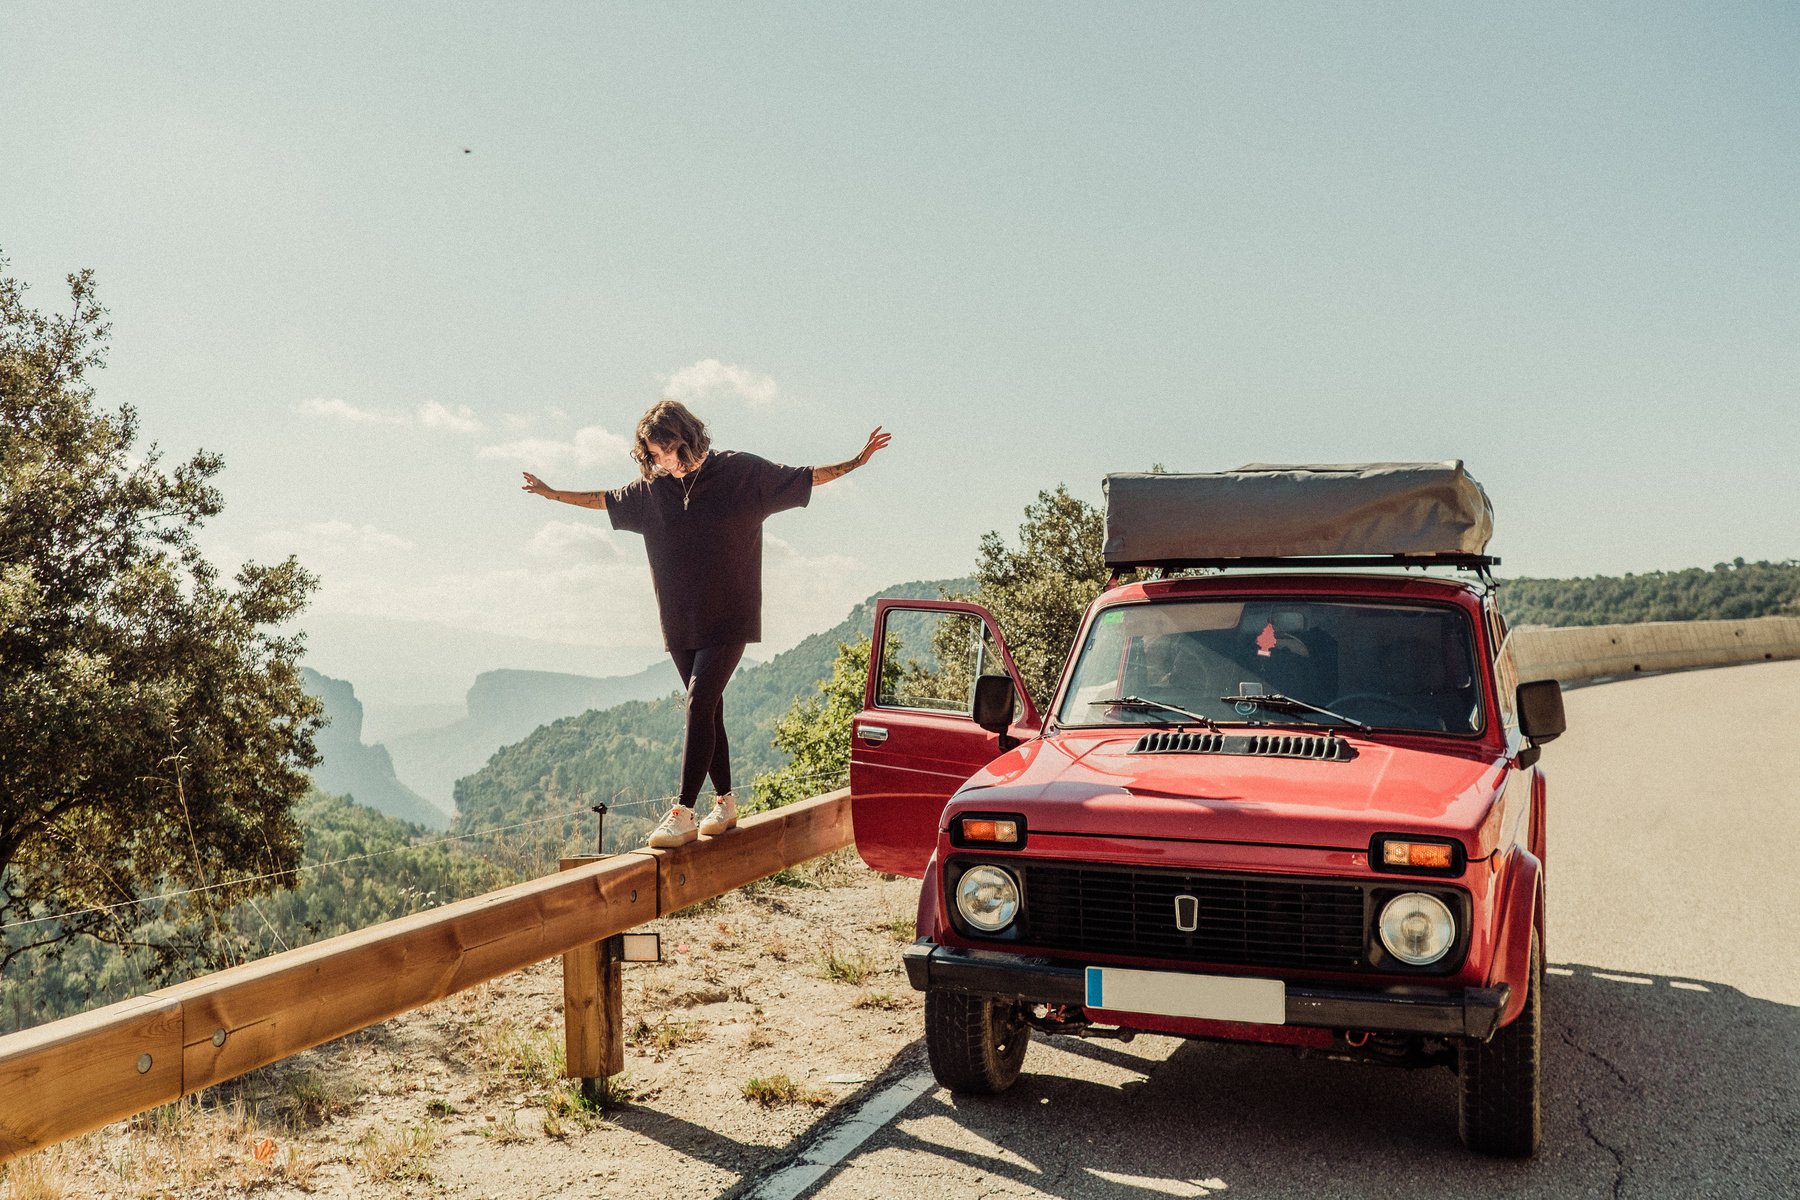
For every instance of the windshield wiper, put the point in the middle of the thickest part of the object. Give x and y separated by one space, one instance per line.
1281 703
1140 703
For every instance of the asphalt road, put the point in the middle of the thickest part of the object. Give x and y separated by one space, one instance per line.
1672 1020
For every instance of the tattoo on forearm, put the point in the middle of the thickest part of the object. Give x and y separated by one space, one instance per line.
582 499
827 474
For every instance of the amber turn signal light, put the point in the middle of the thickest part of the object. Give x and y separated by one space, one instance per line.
984 830
1415 854
1392 853
1001 831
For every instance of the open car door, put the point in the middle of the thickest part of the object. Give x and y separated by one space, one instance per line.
915 740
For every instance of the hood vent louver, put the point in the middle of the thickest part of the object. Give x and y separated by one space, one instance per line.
1326 748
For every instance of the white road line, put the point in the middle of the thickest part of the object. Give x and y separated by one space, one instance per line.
836 1146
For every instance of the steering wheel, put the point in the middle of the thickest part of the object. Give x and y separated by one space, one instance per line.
1381 700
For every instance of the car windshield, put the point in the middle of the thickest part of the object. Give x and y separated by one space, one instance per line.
1287 662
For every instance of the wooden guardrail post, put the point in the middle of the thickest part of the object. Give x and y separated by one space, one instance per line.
593 1009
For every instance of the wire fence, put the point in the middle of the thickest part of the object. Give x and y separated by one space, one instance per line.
320 899
568 816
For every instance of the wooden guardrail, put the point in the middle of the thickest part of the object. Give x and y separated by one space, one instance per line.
66 1077
1583 653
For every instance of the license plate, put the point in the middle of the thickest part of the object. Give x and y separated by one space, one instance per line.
1202 997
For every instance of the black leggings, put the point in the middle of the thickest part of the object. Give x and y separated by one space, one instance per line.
704 750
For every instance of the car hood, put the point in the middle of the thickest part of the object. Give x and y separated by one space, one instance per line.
1092 784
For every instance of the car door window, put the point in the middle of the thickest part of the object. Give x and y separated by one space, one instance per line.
931 659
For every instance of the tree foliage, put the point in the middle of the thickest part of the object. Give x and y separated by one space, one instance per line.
815 733
1039 590
154 733
360 868
1730 591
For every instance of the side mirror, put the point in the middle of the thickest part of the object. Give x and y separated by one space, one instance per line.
1541 710
994 703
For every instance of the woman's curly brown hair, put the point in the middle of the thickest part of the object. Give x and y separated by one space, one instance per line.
670 424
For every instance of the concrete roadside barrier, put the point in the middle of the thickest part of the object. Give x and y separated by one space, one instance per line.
1581 653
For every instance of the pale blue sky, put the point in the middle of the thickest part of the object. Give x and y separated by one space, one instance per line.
1039 242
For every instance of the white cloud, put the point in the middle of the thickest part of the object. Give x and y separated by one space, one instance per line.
591 446
710 379
340 410
461 419
569 584
560 541
577 599
326 543
432 414
803 595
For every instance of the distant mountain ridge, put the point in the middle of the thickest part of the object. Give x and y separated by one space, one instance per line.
503 706
627 756
350 768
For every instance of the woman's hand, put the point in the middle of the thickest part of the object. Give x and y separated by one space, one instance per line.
877 441
538 487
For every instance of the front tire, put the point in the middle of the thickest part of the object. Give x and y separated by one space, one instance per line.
976 1044
1500 1111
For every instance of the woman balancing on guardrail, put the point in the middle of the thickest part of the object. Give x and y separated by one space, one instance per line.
701 512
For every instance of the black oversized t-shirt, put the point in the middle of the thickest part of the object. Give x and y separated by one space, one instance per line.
704 538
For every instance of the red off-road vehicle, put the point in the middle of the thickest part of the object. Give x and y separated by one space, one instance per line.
1285 792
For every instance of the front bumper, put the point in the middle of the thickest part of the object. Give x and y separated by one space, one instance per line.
1442 1011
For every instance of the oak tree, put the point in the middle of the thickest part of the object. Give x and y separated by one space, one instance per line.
154 736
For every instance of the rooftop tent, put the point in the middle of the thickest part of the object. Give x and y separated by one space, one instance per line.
1428 510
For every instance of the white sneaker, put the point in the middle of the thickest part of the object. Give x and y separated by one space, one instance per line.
722 817
676 829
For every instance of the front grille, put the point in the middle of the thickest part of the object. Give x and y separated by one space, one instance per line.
1328 748
1243 920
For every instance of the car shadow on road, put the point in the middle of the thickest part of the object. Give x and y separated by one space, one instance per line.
1653 1087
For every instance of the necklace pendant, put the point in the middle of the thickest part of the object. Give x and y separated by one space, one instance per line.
684 503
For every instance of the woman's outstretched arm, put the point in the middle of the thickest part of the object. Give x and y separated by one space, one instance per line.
877 441
538 487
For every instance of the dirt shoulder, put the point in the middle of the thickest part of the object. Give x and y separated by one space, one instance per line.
772 1007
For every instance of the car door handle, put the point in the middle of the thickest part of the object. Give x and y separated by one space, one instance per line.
873 734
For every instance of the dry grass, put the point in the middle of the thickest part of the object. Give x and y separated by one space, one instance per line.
503 1132
885 1001
533 1057
567 1109
851 968
902 927
46 1175
404 1153
665 1035
309 1099
182 1147
781 1089
837 869
832 870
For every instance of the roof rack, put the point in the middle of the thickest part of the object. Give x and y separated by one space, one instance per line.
1481 564
1477 562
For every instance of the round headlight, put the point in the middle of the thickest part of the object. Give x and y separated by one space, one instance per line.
987 898
1417 928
